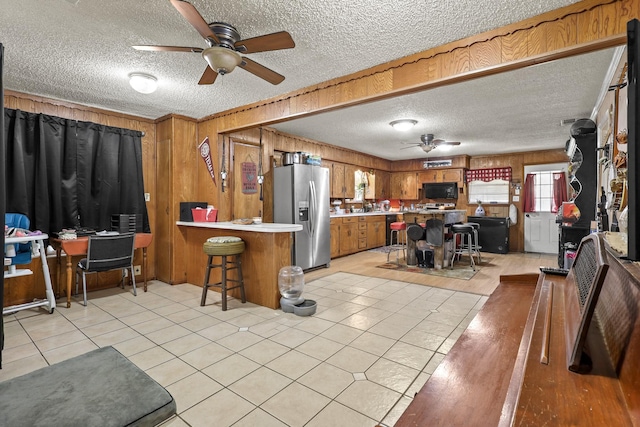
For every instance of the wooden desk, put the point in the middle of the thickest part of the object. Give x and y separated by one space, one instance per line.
76 247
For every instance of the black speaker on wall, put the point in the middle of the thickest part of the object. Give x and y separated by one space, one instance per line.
185 210
2 192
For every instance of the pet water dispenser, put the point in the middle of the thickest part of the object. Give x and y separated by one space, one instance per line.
291 284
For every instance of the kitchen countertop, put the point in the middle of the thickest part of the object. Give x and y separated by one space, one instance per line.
258 228
433 211
363 214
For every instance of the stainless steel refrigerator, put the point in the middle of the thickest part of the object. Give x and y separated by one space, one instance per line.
301 196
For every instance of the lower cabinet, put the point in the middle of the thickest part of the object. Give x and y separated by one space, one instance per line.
356 233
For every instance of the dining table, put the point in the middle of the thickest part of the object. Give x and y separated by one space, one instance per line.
79 247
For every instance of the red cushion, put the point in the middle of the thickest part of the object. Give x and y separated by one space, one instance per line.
398 226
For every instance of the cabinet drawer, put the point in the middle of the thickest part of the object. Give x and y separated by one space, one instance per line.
362 234
376 218
362 218
350 219
335 221
362 226
362 243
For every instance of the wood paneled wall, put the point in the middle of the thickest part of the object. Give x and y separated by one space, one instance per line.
581 27
517 161
24 289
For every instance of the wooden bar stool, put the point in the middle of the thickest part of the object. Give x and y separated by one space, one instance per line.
224 246
400 230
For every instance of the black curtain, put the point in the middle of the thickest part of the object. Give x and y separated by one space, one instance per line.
64 173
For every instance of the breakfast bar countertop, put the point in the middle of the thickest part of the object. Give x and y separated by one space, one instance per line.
258 228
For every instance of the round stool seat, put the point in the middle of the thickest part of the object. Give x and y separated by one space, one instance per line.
398 225
223 245
462 228
423 224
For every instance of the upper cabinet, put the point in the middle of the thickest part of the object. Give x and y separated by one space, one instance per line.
441 175
404 186
343 184
378 186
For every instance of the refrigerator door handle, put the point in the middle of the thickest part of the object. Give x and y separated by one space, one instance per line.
312 207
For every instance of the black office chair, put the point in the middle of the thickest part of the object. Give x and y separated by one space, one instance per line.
106 253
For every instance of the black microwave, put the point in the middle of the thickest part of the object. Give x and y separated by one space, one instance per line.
440 190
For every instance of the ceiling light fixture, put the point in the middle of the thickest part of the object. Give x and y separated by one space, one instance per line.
221 60
143 83
403 124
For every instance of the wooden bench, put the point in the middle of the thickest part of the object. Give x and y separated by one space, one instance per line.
511 365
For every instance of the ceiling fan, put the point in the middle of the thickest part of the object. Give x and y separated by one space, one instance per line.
225 47
429 142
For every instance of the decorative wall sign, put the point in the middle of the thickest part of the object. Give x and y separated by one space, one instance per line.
205 153
427 164
249 178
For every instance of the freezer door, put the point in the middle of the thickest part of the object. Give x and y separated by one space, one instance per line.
320 227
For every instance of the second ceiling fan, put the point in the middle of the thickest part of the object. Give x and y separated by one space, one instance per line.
429 142
225 47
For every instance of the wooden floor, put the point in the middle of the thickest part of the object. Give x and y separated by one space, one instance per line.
483 282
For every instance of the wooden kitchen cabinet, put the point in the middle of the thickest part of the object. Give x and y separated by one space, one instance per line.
404 185
334 229
343 181
376 231
441 175
379 186
349 236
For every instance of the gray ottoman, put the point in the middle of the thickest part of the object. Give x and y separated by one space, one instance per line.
99 388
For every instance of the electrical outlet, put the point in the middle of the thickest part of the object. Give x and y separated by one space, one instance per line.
147 197
137 270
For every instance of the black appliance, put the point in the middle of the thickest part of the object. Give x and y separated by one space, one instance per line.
440 190
493 234
633 157
390 219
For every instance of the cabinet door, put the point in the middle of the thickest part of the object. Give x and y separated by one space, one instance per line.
381 232
427 176
337 180
451 175
335 239
329 165
410 187
350 181
383 185
397 185
374 231
348 238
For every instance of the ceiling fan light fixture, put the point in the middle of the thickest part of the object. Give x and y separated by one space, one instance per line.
221 59
143 83
403 125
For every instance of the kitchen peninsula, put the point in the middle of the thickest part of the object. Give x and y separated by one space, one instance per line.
267 250
446 216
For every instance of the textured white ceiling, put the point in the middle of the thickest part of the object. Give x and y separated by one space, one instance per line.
80 50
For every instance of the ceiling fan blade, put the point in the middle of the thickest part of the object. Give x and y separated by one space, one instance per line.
208 77
169 48
192 15
443 142
261 71
412 146
274 41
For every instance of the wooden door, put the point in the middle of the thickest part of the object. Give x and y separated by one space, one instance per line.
396 185
162 234
383 185
246 191
410 187
428 176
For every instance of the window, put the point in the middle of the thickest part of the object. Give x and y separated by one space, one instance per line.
544 190
496 191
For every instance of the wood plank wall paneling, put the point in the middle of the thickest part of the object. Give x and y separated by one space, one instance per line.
23 289
517 161
549 36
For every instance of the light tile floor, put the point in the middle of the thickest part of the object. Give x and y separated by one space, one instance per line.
358 361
